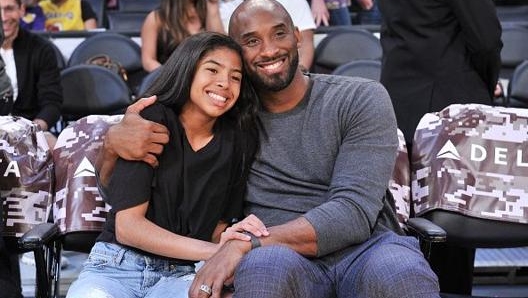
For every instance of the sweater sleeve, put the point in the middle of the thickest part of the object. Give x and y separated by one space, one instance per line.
364 163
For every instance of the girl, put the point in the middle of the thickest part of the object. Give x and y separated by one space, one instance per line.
163 219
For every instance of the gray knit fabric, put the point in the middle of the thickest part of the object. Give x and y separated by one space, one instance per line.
329 159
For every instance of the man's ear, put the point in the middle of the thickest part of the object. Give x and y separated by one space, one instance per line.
298 36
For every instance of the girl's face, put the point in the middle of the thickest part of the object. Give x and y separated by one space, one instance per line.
216 83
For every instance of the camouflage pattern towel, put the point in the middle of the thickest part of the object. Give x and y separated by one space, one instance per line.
400 182
472 159
78 205
26 175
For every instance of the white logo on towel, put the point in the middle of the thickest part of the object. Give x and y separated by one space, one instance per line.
448 151
85 169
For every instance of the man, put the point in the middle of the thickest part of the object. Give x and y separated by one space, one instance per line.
64 15
437 53
31 65
318 181
300 13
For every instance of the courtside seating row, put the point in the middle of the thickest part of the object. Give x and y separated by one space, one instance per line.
61 182
468 174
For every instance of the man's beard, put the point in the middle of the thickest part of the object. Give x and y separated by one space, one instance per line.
276 82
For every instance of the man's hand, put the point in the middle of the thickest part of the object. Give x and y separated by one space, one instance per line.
219 269
134 138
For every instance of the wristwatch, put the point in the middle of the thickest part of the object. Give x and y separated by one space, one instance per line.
255 242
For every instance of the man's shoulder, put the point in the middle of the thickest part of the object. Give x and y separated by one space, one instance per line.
340 81
345 90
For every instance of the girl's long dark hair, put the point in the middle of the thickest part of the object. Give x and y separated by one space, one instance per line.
173 88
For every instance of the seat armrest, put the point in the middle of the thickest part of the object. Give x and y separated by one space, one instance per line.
425 229
40 235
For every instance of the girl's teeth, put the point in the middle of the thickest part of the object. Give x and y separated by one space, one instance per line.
217 97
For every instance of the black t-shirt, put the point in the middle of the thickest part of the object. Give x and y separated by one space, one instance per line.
189 192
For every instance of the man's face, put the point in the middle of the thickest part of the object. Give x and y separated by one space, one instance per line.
11 14
269 46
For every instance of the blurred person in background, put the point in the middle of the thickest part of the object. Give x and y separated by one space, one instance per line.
66 15
165 27
32 68
34 18
338 12
331 12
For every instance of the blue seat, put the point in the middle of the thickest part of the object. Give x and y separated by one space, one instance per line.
148 80
138 5
126 21
344 45
518 87
369 69
92 89
119 48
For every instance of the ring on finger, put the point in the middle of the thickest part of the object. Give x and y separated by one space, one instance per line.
207 289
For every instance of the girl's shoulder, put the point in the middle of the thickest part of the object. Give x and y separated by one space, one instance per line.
156 112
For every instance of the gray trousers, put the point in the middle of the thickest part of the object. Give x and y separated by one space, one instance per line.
386 266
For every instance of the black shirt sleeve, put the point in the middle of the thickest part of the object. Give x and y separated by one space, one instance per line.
131 181
87 11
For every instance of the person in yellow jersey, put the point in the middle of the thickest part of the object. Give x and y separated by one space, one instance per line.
64 15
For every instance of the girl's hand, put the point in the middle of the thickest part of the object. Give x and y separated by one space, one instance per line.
250 224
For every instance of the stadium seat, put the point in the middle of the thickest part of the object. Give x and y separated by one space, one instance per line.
469 177
518 87
26 195
148 80
125 21
342 46
61 62
514 50
138 5
79 210
91 89
368 69
119 48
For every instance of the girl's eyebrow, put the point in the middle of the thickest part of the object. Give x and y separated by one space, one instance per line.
220 64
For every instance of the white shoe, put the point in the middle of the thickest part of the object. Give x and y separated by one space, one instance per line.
28 258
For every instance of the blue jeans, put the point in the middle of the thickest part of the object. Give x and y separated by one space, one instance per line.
116 271
371 16
386 266
340 16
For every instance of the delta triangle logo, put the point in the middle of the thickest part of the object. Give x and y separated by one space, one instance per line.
448 151
85 169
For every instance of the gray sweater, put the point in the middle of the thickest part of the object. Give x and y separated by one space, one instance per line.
329 159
